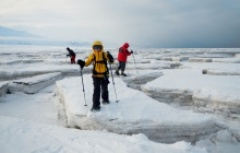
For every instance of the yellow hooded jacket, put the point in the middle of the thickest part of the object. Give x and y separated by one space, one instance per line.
97 58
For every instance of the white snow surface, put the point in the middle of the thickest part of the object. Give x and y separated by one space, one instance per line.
34 84
30 122
3 87
134 113
21 136
130 101
209 93
194 80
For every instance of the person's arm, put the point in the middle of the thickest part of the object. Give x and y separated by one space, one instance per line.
109 57
89 60
127 52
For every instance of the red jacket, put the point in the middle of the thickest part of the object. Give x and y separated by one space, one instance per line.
123 53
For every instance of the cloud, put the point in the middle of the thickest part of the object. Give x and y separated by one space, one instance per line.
143 23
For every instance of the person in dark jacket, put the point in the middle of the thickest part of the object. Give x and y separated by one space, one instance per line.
71 54
122 58
100 73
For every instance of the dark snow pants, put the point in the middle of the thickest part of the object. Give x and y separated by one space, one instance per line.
122 66
100 85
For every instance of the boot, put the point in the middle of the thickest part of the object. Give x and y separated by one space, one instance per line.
95 108
117 72
106 102
123 74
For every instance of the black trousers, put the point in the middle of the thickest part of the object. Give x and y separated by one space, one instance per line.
100 85
122 66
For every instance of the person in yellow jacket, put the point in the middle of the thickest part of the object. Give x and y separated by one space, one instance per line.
100 73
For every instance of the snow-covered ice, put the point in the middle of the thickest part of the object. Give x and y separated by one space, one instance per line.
134 113
39 107
221 72
32 122
34 84
21 136
216 94
3 87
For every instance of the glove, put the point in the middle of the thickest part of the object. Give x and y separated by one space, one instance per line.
131 52
110 57
81 63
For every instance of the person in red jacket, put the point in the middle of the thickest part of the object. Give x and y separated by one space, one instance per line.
122 58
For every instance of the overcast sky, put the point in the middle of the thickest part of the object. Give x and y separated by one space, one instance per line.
142 23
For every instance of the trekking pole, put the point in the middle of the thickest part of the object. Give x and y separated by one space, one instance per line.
113 82
134 63
83 87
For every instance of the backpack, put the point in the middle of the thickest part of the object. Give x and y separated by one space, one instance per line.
104 61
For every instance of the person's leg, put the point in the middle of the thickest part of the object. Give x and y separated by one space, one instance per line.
104 85
119 67
73 59
123 65
96 93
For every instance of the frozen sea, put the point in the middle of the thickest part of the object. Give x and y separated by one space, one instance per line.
173 100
